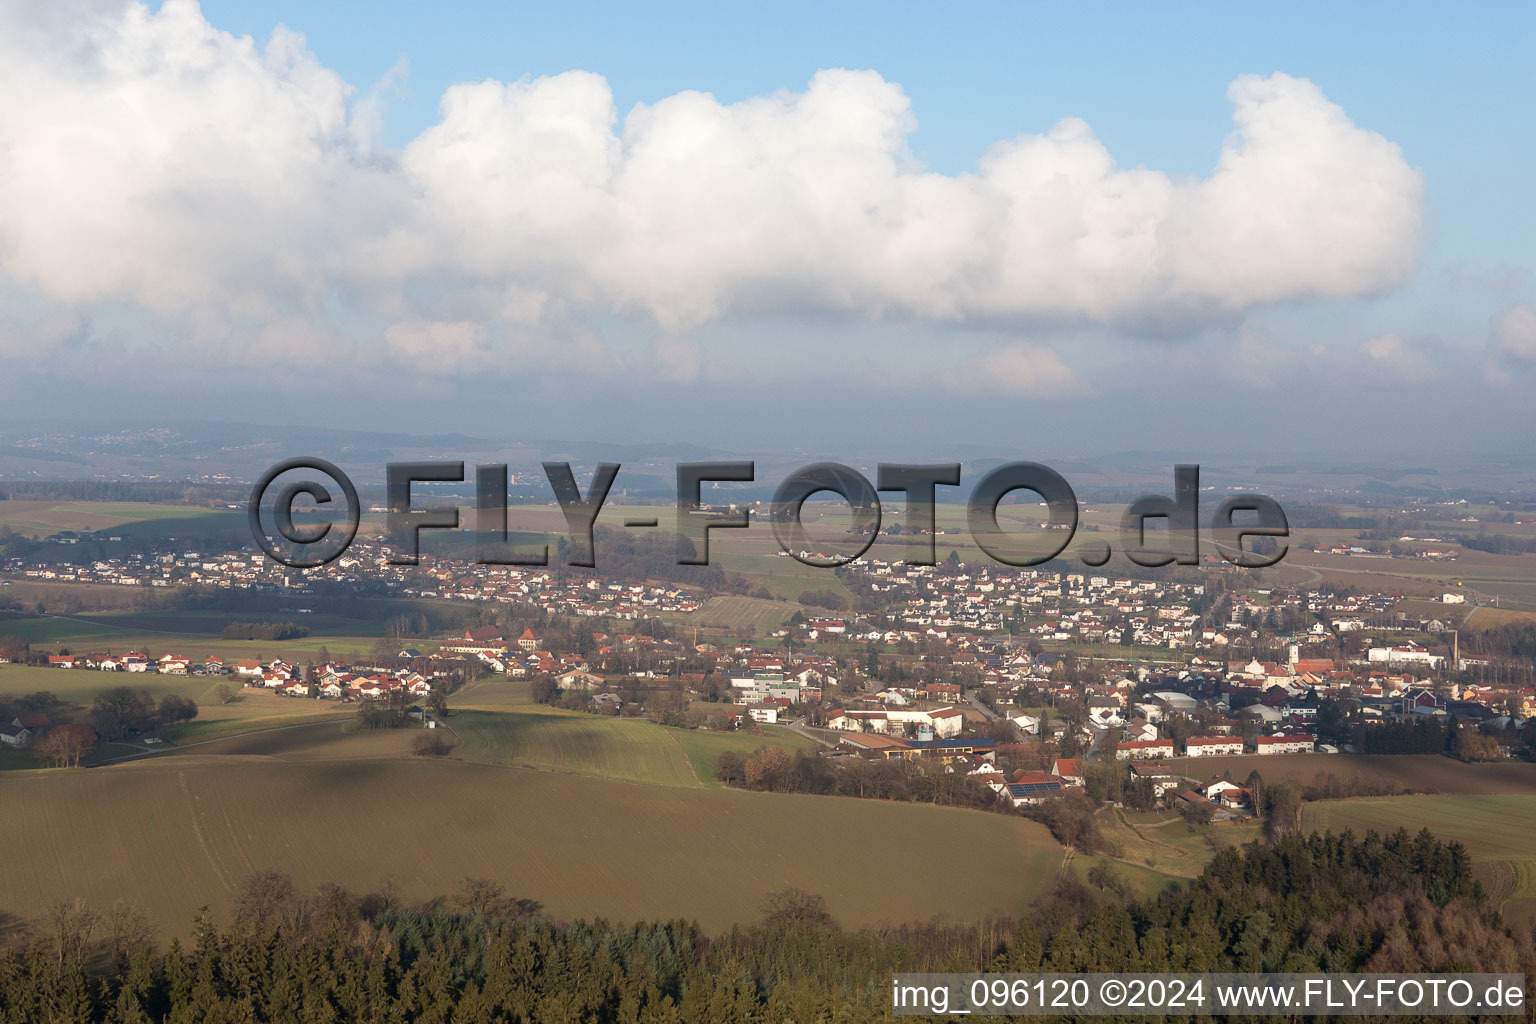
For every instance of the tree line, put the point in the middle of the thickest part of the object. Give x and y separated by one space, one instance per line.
160 492
1422 735
1334 903
774 769
265 631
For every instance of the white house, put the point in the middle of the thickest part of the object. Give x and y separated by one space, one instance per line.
1144 750
1212 746
1295 744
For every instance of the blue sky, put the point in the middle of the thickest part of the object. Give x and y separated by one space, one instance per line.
1424 297
1452 87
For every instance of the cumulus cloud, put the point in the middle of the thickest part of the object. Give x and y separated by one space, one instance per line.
149 159
1252 355
677 358
1021 369
1400 359
1511 341
1512 333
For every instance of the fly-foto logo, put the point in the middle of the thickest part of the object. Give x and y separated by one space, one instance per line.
1236 519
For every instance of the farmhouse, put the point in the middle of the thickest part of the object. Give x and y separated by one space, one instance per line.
1161 775
1224 792
576 679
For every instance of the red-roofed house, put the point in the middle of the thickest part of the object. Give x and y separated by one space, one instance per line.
1300 743
1212 746
1143 750
1069 770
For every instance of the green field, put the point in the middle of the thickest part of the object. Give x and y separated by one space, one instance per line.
198 634
493 692
631 749
173 833
253 709
301 713
1478 575
81 686
1499 832
1424 773
739 613
57 630
42 518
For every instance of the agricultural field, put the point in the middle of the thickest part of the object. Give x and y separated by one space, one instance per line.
784 577
198 634
297 739
252 710
702 747
1486 617
283 713
1424 773
631 749
740 614
45 518
1499 832
174 832
82 686
59 630
493 693
1479 575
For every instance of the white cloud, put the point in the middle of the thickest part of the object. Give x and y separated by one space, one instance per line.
676 358
1021 369
148 159
1511 342
1399 359
1512 333
1252 355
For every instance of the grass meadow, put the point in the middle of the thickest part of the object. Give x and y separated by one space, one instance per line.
176 832
631 749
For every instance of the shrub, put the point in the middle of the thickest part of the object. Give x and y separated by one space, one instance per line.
430 744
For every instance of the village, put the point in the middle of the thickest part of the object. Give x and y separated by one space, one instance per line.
960 662
932 688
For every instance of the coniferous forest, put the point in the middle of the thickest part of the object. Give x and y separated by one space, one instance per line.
1306 903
